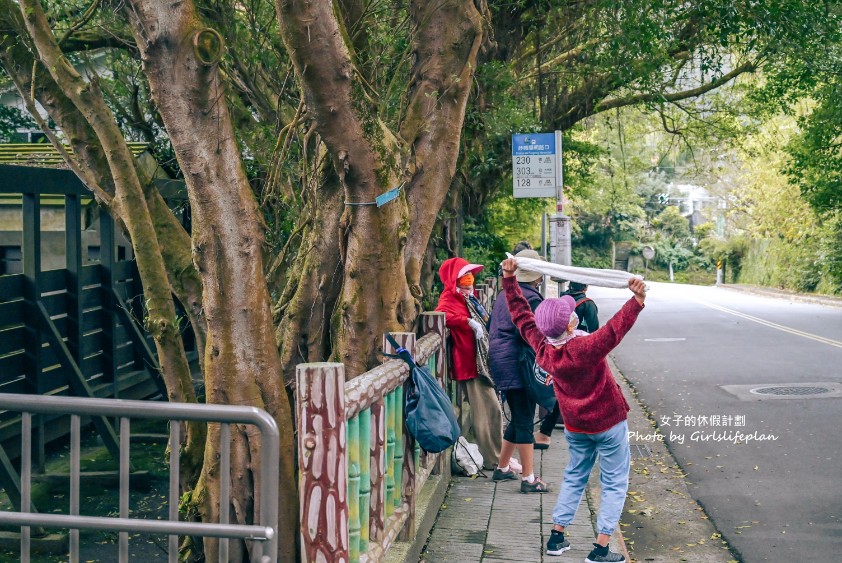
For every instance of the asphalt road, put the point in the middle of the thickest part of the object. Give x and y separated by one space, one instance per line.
777 500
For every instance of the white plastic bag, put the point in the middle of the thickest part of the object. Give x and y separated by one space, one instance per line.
466 458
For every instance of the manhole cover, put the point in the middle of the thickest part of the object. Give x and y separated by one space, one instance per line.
791 390
639 451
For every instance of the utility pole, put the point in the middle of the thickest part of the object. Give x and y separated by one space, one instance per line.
562 239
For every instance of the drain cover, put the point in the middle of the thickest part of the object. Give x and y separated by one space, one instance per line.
786 391
791 390
639 451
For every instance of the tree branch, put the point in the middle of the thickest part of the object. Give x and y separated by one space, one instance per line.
344 118
676 96
446 46
129 201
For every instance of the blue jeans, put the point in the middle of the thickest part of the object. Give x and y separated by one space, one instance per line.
614 463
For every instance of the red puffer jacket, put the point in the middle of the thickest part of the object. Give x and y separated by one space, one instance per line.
453 305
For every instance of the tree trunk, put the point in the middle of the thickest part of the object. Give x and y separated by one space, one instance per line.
446 45
382 249
128 201
242 365
18 62
374 295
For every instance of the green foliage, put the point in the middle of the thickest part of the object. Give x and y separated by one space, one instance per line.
481 246
672 224
12 119
816 165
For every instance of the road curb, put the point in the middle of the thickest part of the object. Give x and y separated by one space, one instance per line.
828 300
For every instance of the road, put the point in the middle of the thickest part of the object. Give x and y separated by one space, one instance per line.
777 500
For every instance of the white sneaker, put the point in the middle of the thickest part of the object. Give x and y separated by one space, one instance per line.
514 465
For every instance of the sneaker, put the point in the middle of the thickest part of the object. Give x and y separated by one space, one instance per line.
557 545
604 555
515 465
504 475
536 486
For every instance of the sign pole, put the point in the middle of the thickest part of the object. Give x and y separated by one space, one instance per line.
562 231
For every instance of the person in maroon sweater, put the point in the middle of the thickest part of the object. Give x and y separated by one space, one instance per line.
591 403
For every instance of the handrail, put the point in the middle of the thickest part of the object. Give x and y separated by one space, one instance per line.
265 531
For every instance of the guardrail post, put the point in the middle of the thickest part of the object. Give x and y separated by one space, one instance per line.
404 463
323 463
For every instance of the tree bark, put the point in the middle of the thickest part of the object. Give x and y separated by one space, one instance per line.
242 365
374 295
128 201
18 63
368 160
446 45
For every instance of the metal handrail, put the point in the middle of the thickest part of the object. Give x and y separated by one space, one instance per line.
265 531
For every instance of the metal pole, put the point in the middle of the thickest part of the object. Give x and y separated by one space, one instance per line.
544 252
544 235
563 242
559 175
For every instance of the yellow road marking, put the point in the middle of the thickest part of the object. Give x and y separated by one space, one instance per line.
770 324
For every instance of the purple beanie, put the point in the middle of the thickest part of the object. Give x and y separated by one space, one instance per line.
553 315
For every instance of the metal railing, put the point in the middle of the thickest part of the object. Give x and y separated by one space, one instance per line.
264 531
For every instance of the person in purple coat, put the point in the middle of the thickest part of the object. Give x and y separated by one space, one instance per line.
505 343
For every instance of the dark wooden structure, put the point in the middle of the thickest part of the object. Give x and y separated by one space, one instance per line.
74 331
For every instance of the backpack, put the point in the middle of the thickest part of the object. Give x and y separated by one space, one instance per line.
429 414
534 379
583 324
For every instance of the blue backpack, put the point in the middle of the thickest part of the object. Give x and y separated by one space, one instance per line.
429 413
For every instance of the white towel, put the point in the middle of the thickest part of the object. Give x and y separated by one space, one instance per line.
588 276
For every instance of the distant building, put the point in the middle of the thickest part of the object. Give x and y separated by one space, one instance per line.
695 203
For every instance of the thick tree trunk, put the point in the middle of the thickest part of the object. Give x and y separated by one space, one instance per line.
242 365
446 47
374 293
18 63
383 249
128 201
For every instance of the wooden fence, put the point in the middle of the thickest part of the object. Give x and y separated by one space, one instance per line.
70 331
360 471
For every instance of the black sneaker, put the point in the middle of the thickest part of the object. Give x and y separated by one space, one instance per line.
557 545
601 554
503 475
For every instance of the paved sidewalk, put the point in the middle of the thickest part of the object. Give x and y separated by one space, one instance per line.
495 523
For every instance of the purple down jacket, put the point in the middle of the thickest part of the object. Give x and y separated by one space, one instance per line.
505 340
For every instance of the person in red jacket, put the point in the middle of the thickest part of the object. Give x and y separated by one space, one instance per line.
591 403
483 420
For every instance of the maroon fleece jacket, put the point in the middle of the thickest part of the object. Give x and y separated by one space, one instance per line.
590 399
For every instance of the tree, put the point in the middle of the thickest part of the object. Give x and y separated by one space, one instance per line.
337 264
288 119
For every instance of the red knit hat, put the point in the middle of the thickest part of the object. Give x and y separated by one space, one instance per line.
553 315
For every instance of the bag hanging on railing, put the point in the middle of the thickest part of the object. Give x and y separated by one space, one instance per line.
429 413
534 379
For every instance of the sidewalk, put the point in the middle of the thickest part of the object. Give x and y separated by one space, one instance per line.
483 521
495 523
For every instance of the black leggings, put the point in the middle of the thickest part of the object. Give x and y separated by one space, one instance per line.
522 409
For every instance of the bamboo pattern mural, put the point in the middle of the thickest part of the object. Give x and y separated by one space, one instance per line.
360 469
